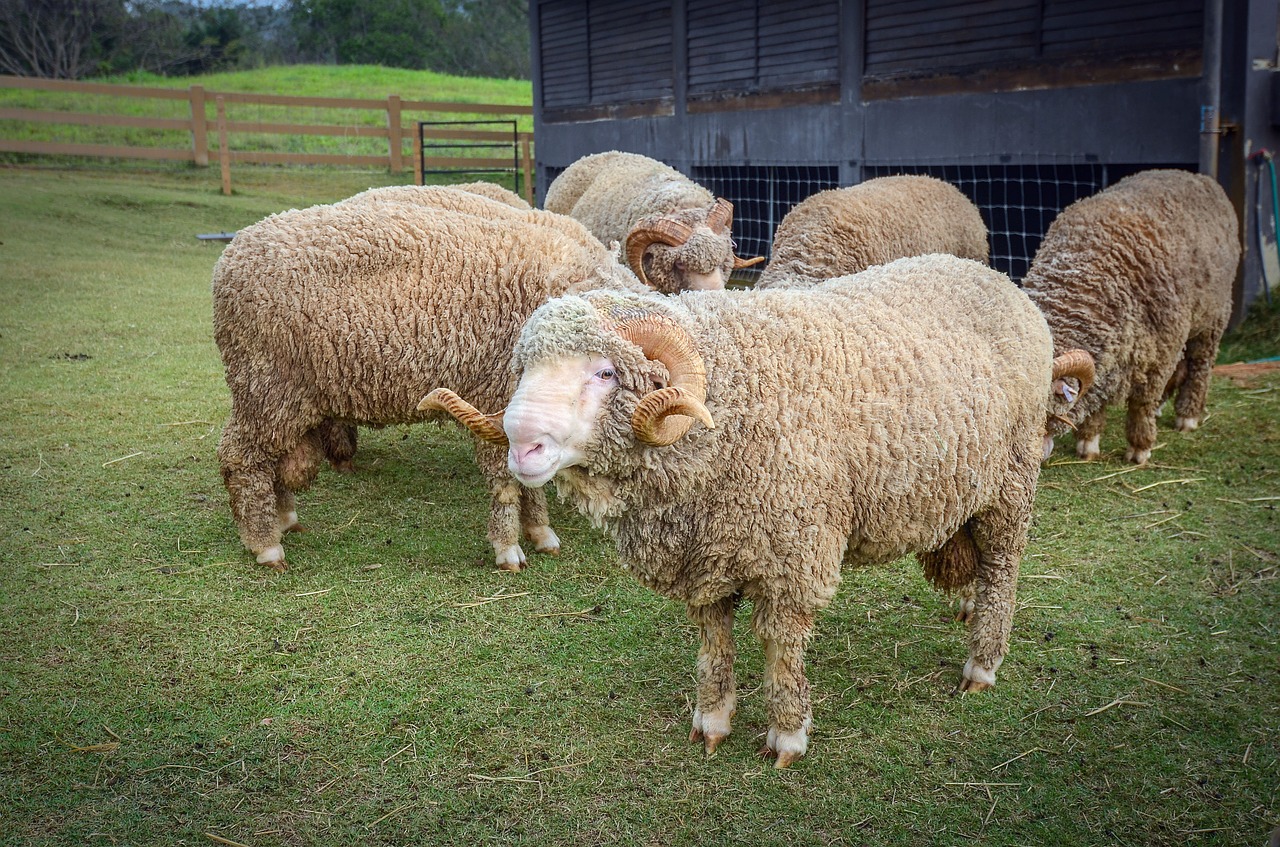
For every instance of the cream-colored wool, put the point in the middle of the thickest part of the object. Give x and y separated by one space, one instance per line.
846 230
494 192
333 316
1140 276
856 421
613 193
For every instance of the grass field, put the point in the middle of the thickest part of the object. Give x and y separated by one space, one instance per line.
157 687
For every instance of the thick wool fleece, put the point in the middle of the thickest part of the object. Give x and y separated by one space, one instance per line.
351 313
1140 276
494 192
858 420
609 192
846 230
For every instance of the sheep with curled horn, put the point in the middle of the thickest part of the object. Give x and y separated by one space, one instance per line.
1140 276
742 445
677 236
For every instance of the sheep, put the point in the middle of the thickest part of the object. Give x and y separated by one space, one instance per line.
897 410
339 441
677 235
845 230
1140 276
330 316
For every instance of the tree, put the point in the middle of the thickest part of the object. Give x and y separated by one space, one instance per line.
57 39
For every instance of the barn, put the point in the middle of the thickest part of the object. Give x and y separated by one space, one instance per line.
1026 105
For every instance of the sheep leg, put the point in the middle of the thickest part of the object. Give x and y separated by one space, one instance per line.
1194 389
338 441
504 506
536 523
1089 435
251 477
1140 424
1000 535
784 635
717 695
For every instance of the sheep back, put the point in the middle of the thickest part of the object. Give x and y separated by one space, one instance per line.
354 311
609 192
846 230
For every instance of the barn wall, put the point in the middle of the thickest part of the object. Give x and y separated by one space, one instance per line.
904 104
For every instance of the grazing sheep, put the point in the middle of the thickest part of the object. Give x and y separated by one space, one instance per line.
334 316
677 235
845 230
897 410
1140 276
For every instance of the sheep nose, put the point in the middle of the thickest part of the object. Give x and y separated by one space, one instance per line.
523 453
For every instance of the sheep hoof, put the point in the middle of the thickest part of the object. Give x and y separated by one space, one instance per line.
296 527
964 610
544 540
549 551
972 686
1137 457
787 759
1186 424
273 557
511 558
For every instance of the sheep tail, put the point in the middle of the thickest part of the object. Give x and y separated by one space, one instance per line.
954 564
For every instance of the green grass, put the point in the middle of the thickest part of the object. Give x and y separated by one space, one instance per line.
157 686
349 81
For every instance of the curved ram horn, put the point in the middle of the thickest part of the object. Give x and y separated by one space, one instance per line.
665 415
1077 363
720 218
485 426
663 231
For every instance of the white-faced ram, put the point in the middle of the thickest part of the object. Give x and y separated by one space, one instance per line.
899 410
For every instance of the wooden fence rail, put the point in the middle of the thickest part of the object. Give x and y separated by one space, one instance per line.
228 136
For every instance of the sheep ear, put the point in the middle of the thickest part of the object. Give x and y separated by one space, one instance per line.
1065 390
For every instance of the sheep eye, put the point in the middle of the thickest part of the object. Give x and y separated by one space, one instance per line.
605 374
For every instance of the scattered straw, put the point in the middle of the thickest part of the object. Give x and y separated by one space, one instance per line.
1117 473
495 598
314 593
590 611
220 840
121 459
1186 481
1119 701
1164 685
187 423
1164 520
1019 756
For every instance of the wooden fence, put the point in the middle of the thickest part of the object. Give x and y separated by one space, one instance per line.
234 121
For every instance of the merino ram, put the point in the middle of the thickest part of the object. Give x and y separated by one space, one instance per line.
1140 276
846 230
862 419
677 235
333 316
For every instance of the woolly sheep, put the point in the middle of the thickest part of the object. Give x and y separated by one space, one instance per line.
339 441
845 230
338 315
897 410
1140 276
677 235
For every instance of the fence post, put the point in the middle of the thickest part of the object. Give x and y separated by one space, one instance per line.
199 122
418 176
224 149
526 165
394 133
